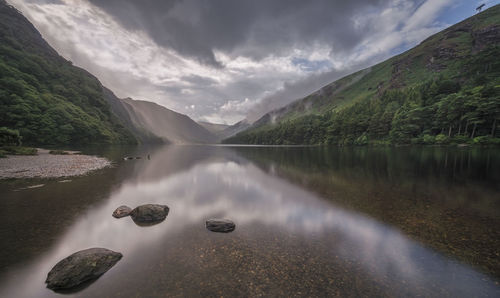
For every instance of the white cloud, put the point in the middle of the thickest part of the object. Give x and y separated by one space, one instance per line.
426 14
132 64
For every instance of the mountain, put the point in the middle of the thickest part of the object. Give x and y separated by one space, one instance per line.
213 127
50 101
446 89
126 115
150 122
234 129
45 97
224 131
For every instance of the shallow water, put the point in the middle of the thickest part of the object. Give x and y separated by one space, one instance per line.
309 222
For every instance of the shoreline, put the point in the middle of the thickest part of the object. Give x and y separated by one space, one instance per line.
47 165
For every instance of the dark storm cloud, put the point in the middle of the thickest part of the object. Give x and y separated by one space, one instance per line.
255 55
248 28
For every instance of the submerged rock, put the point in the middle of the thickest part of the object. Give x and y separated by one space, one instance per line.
220 225
122 211
149 214
80 267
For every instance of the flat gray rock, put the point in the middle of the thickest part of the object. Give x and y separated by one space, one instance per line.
149 213
80 267
122 211
220 225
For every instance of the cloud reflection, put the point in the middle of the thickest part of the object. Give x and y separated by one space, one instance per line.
198 183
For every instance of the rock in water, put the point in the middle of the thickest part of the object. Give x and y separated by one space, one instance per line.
220 225
122 211
80 267
149 213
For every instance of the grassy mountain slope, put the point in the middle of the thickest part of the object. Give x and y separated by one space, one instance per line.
459 65
126 115
152 123
45 97
166 124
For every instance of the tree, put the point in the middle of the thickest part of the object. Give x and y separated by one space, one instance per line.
9 137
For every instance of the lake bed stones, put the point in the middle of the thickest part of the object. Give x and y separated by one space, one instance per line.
220 225
80 267
149 214
122 211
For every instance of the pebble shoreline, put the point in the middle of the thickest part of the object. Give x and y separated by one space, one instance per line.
45 165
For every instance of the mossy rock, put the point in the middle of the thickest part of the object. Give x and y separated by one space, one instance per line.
80 267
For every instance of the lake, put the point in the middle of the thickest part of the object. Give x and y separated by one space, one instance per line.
310 221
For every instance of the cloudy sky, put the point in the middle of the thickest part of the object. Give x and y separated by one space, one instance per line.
224 60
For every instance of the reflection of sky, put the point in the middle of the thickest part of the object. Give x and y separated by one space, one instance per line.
229 188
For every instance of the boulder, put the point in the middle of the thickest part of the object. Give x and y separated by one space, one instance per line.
149 214
220 225
122 211
82 266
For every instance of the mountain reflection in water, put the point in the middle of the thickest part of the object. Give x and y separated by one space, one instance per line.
291 236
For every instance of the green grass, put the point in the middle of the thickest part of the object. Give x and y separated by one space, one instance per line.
17 150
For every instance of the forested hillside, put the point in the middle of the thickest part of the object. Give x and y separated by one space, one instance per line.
445 90
45 97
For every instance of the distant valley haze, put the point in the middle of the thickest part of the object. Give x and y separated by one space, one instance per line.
226 61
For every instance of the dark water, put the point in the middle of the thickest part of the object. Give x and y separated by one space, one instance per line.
309 222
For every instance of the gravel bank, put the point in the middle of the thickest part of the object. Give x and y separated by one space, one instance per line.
45 165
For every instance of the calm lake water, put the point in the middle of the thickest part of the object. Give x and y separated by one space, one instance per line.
309 222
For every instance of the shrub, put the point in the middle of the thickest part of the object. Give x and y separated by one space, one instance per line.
442 139
428 139
486 140
9 137
361 140
17 150
460 140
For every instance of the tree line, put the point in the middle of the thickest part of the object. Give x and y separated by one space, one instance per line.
438 111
